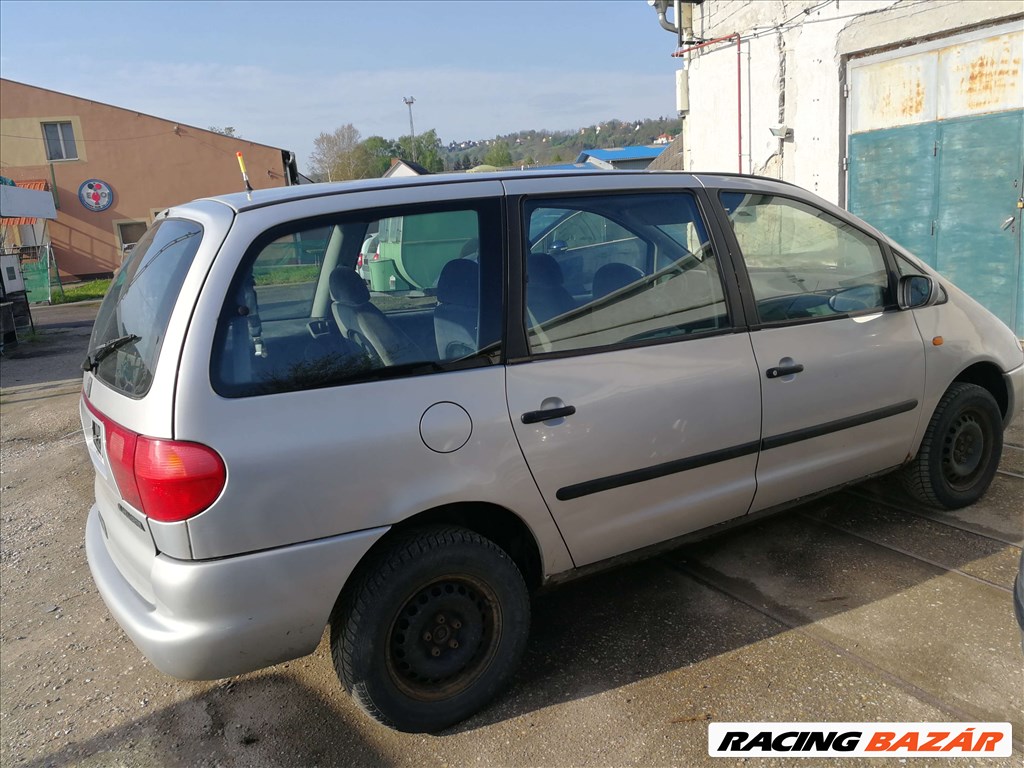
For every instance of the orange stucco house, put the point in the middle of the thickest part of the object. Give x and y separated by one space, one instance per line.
111 169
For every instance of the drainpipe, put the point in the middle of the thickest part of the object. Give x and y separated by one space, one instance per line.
739 92
53 189
661 7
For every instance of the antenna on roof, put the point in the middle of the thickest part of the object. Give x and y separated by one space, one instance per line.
245 176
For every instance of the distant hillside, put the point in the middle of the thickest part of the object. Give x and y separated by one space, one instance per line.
543 147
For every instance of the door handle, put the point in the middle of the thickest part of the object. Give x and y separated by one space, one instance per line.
783 370
532 417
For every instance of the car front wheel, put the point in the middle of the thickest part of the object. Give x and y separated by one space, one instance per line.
960 451
432 629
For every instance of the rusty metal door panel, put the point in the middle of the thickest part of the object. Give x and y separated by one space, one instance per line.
980 163
892 180
892 93
981 76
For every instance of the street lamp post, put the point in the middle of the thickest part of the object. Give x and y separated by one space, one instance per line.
409 101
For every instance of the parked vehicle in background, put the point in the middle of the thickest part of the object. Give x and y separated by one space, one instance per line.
586 365
367 253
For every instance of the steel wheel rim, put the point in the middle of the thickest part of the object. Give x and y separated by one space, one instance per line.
443 638
965 450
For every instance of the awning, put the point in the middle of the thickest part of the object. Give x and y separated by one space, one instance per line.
25 203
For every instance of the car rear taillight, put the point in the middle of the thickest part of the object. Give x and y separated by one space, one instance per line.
359 261
177 480
121 444
376 256
167 480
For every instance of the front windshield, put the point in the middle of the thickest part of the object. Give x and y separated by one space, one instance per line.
139 305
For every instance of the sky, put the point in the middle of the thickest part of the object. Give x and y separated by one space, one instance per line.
281 73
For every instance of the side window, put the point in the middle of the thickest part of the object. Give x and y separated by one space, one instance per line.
803 262
398 293
60 141
129 233
286 271
644 272
583 241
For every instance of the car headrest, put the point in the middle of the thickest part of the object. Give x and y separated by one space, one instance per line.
348 288
459 283
542 268
611 277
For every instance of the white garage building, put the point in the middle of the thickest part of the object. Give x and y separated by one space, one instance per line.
909 113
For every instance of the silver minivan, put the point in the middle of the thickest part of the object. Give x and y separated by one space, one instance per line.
591 364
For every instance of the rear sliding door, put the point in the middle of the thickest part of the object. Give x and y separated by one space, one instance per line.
635 400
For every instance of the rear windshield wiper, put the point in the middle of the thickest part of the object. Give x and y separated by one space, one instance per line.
151 259
106 349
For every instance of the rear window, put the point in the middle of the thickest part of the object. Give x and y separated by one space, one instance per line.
133 317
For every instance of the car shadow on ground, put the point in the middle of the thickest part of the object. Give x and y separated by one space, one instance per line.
269 720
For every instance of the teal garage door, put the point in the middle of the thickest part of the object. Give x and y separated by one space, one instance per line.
936 160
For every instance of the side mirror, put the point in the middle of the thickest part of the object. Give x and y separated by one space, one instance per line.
917 291
857 298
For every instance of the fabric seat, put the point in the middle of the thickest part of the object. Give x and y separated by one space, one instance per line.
364 324
613 277
546 295
457 314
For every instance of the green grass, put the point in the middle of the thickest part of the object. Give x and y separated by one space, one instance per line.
94 289
286 275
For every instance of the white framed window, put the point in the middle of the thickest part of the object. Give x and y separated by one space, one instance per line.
130 232
60 141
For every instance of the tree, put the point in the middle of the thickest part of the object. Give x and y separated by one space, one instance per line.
227 130
333 154
425 148
499 155
372 157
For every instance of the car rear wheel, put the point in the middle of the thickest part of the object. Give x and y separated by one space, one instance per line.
432 629
961 449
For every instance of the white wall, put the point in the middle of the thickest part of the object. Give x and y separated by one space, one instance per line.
811 46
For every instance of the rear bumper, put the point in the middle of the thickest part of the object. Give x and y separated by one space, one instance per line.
218 618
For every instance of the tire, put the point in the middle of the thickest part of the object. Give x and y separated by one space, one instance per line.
960 451
432 629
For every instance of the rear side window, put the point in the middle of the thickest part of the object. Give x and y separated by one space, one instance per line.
132 320
394 292
619 269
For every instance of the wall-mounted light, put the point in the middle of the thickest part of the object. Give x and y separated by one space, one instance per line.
783 132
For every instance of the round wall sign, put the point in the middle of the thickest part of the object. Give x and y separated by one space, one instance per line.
95 195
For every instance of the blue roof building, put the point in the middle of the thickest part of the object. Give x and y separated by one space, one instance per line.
621 158
618 159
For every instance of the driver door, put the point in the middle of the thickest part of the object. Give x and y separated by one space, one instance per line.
841 368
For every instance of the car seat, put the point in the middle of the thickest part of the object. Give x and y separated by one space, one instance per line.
364 324
457 314
546 296
613 277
